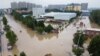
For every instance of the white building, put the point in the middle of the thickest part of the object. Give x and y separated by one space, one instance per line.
38 11
60 15
9 10
84 6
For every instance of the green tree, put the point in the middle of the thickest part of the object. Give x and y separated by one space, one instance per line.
11 37
5 20
78 51
95 16
6 27
49 28
40 24
94 46
17 15
40 30
30 22
22 54
79 39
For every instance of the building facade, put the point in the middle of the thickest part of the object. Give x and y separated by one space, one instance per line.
73 7
59 7
76 7
20 5
84 6
1 12
37 12
14 5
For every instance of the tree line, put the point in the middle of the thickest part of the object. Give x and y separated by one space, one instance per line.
78 40
32 23
10 35
93 47
95 16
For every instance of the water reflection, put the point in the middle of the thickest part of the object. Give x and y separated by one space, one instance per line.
40 37
15 50
34 44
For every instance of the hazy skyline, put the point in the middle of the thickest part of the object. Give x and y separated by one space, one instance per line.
92 3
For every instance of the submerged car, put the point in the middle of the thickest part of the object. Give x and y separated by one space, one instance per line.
9 47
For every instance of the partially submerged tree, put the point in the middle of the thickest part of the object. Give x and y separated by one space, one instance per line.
79 39
94 46
5 20
11 36
78 51
22 54
6 28
49 28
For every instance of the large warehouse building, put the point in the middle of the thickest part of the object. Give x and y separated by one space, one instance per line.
59 15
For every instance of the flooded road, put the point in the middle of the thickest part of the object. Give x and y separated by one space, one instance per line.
34 44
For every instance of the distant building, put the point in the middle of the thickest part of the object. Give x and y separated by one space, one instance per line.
37 12
30 6
92 32
20 5
59 15
85 13
9 10
59 7
84 6
1 12
14 5
76 7
73 7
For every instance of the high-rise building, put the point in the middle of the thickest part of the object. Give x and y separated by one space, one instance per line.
84 6
73 7
1 12
76 7
14 5
21 5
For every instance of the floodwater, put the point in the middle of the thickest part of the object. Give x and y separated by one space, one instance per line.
34 44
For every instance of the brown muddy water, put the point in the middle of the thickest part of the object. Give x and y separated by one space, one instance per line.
34 44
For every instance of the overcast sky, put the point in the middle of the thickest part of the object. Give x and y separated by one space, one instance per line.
92 3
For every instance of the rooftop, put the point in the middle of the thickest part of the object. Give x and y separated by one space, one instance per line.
57 13
60 15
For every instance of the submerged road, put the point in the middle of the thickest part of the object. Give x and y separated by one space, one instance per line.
34 44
